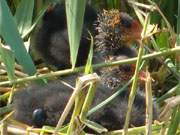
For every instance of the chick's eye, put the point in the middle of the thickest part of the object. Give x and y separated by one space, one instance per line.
39 117
126 22
116 29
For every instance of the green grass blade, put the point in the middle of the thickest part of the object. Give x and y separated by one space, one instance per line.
95 126
163 41
36 20
9 33
109 99
75 14
178 35
178 18
9 60
113 4
88 67
175 117
175 120
24 15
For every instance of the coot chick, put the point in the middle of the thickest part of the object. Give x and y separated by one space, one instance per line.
51 38
42 105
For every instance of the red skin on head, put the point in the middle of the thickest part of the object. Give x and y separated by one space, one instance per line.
142 74
133 34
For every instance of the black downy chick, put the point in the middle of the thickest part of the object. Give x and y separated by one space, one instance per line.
43 105
51 41
116 31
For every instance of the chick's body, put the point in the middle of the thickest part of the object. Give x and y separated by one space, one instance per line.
51 40
52 98
115 32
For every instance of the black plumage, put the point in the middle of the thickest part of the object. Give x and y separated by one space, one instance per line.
51 41
39 105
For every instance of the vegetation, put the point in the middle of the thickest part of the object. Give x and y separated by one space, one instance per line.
160 39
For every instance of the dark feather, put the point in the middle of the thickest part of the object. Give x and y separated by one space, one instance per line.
50 101
51 40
